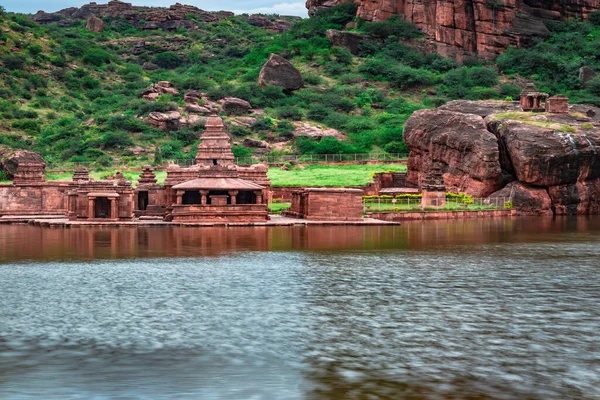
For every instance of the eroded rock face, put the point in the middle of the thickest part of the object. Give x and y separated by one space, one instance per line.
544 163
548 157
465 26
304 129
280 72
461 142
349 40
11 158
528 200
234 106
94 24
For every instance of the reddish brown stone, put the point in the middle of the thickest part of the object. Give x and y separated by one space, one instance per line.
326 204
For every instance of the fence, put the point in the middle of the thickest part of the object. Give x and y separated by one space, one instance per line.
414 204
311 158
266 159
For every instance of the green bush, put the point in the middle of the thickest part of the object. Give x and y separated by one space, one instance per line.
593 86
168 60
396 26
13 61
290 112
508 90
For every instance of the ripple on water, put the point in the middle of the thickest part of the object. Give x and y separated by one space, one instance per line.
490 321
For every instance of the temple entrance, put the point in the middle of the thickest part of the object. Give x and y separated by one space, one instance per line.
191 197
142 201
246 198
102 207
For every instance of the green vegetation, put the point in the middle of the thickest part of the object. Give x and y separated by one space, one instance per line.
277 208
329 175
75 96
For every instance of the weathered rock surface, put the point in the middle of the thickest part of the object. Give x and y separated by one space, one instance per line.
465 26
11 158
165 122
528 200
540 162
481 108
156 89
166 18
547 157
95 24
280 72
349 40
234 106
304 129
461 143
586 74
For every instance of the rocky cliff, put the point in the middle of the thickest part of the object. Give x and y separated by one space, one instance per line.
543 162
167 18
486 27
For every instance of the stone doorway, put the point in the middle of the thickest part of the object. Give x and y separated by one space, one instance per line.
142 201
102 207
191 197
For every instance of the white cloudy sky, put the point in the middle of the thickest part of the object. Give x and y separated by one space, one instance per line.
239 6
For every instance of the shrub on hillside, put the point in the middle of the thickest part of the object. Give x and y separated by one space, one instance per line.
13 61
396 26
168 60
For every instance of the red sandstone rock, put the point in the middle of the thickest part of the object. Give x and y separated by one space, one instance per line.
349 40
10 159
526 199
280 72
547 157
463 26
94 24
304 129
467 151
234 106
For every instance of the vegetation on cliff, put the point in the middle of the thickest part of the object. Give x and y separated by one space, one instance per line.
75 95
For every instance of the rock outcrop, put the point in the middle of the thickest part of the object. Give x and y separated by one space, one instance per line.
166 18
10 159
486 27
349 40
540 162
94 24
280 72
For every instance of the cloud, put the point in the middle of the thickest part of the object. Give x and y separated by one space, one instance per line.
298 9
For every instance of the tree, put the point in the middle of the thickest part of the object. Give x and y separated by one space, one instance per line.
158 160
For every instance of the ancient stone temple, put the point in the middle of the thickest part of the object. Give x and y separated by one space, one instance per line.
149 196
212 190
104 200
532 100
433 188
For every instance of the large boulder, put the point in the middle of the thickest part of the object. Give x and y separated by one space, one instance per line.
482 108
586 74
235 106
95 24
526 199
304 129
349 40
467 151
11 158
165 122
542 156
576 199
280 72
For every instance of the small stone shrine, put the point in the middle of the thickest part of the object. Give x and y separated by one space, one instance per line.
532 100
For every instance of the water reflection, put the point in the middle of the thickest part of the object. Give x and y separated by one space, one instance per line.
500 309
20 242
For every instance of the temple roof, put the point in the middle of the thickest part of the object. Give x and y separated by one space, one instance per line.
218 184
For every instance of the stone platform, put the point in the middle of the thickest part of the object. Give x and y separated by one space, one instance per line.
276 220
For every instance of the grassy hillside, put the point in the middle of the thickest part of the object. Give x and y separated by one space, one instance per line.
73 95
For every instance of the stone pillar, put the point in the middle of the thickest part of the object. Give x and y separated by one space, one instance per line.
114 208
179 195
259 197
204 196
91 202
232 194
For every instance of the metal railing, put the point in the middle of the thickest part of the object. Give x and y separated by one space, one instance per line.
449 204
269 159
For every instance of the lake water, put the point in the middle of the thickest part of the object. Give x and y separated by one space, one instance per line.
481 309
